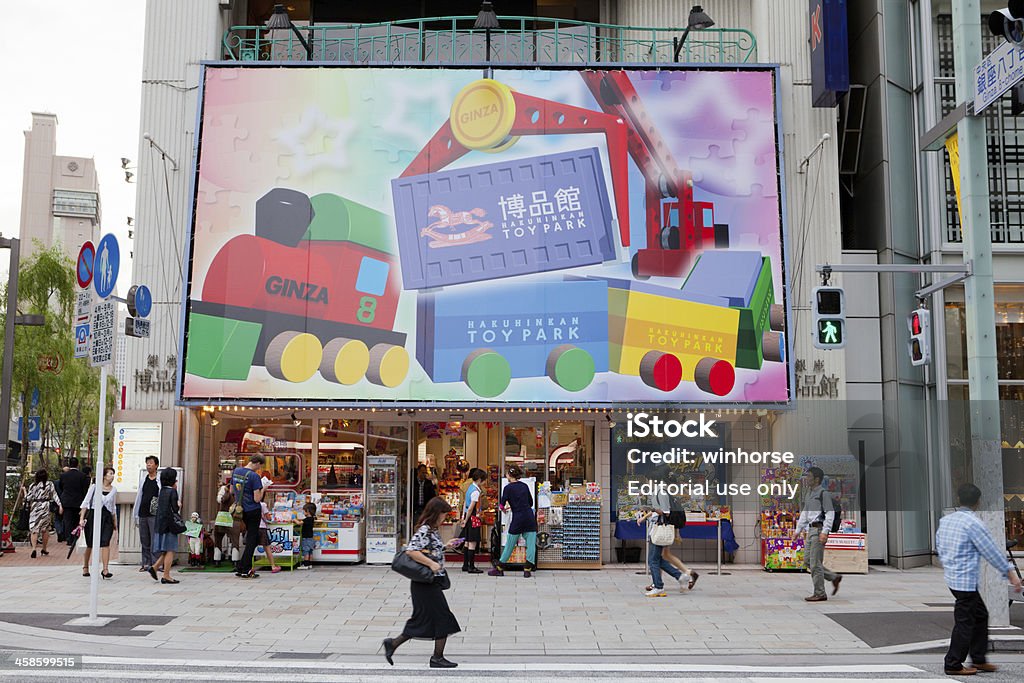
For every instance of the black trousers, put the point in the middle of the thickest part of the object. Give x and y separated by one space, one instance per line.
970 630
252 539
70 523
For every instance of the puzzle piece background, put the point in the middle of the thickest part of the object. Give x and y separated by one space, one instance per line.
350 131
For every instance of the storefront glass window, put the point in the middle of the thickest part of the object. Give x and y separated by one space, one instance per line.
570 454
1009 315
524 446
286 447
340 455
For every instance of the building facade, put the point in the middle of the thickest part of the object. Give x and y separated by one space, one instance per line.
60 196
838 394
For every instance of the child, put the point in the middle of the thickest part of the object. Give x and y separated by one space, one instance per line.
308 542
265 538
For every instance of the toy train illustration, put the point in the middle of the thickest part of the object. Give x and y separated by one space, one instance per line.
314 289
572 329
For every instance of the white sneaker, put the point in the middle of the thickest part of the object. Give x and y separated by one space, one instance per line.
303 566
683 582
656 593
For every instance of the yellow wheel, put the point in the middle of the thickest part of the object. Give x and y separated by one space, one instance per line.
293 356
345 361
482 115
388 365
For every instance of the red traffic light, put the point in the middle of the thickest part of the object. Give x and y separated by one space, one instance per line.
915 323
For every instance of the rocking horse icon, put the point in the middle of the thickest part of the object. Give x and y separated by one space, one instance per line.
448 219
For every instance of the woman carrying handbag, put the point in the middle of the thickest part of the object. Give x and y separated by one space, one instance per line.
661 535
431 617
108 521
168 526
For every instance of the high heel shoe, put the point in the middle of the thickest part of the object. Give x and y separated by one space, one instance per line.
106 575
44 552
85 572
389 650
33 555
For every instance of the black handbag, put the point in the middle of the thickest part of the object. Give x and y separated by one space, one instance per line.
443 581
177 526
411 569
23 518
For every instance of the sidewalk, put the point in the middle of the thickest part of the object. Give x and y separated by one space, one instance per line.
344 611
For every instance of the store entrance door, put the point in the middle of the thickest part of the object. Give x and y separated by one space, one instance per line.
387 510
450 450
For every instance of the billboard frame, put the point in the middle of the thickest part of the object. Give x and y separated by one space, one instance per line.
487 69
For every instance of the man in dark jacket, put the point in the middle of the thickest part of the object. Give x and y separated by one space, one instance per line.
73 487
423 491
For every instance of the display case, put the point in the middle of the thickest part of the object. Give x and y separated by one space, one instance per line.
569 526
382 513
339 526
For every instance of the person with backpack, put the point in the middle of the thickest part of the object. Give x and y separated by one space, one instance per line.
819 516
247 487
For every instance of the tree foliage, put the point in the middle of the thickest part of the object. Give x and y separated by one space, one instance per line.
69 399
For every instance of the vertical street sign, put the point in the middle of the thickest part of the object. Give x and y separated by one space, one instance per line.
80 323
104 317
998 72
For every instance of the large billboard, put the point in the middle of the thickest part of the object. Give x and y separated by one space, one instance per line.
426 235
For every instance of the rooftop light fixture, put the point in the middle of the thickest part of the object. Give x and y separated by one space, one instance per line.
698 19
280 21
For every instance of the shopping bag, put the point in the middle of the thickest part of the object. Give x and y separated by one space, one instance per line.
663 534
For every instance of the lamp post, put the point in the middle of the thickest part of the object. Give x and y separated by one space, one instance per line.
698 19
280 20
7 378
487 20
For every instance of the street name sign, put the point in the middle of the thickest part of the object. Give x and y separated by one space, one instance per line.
136 327
1002 69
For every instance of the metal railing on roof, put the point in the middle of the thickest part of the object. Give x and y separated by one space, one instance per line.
452 40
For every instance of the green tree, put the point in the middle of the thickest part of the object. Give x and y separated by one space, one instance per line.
68 398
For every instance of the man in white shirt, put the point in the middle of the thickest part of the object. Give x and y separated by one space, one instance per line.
816 514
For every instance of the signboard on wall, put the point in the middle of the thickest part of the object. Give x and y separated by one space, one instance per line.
428 235
133 442
830 52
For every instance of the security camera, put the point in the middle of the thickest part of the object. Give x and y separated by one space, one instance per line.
1009 22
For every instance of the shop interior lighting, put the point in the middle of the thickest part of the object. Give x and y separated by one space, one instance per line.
214 421
296 421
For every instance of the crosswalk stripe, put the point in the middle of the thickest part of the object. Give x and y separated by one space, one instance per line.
157 664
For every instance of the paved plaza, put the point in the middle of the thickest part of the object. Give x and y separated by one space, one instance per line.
344 612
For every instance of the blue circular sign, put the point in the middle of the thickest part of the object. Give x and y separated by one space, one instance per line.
140 301
106 265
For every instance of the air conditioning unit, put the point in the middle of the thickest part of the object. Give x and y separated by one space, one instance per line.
227 4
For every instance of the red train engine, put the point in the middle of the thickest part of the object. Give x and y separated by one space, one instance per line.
314 289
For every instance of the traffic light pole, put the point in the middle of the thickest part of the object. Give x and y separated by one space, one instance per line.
961 272
979 302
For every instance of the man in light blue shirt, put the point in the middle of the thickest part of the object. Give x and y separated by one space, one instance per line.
962 540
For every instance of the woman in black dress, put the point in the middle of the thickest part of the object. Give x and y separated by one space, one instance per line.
431 617
518 496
